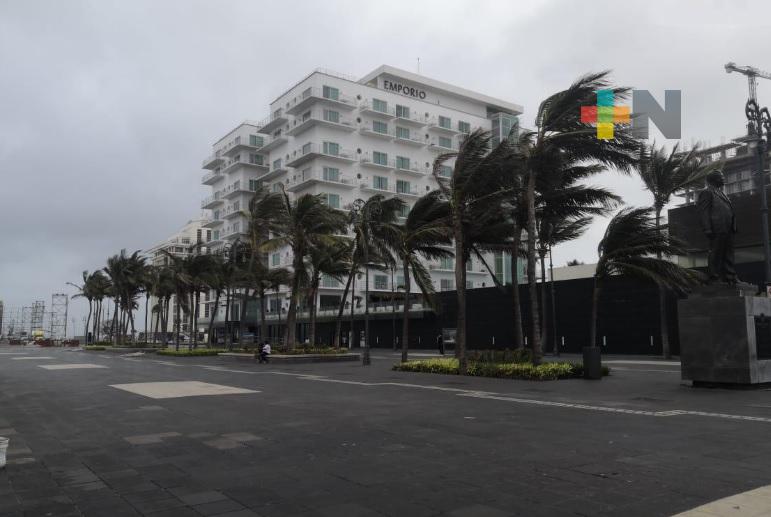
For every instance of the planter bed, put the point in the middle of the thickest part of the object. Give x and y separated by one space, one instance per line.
294 358
121 349
547 371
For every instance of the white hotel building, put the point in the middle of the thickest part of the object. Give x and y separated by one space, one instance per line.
347 139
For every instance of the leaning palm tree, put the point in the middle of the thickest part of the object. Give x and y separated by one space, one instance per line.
560 136
330 260
474 195
631 246
300 224
371 222
664 175
424 235
85 290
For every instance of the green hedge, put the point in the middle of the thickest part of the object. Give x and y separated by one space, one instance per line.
184 352
95 348
302 350
528 371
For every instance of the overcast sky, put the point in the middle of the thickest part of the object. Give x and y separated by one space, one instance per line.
108 107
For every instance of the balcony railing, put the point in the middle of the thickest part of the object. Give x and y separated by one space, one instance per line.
213 161
365 128
308 178
368 161
411 168
212 200
310 151
436 145
273 122
316 117
212 177
393 190
368 106
311 95
443 127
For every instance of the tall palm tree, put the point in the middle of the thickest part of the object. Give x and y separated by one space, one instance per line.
331 260
179 277
300 224
663 176
422 236
372 221
475 196
631 246
85 290
560 137
214 280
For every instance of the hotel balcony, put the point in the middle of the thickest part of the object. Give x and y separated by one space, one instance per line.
412 168
365 128
229 234
212 201
436 145
234 189
390 190
312 177
443 128
274 172
213 222
276 142
213 161
313 95
412 139
239 143
231 212
367 161
410 119
317 118
369 108
311 151
273 122
211 178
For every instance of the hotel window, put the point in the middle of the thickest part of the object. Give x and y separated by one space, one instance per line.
445 171
381 106
402 111
445 142
446 263
329 92
379 127
404 210
445 284
381 282
402 132
254 185
236 206
206 311
380 182
256 141
329 282
400 281
332 116
306 116
255 159
275 259
464 127
469 265
331 174
331 148
216 235
277 164
216 215
332 200
469 284
185 240
277 187
208 235
379 158
307 148
236 227
402 187
402 162
445 122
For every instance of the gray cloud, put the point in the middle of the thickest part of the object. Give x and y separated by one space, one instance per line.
107 107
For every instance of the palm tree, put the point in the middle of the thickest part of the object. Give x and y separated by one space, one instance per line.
631 246
214 280
561 138
372 221
664 175
331 260
180 278
85 290
300 224
422 235
474 196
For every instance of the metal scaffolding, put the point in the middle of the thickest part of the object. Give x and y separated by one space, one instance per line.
59 306
26 322
38 311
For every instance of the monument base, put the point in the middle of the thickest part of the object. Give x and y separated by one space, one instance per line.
725 336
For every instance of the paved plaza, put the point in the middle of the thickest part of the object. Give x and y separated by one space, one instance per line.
100 434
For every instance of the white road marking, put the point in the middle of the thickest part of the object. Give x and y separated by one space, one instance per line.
70 366
176 389
31 358
751 503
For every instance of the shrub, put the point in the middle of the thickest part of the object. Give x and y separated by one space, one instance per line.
198 352
528 371
95 348
520 355
301 350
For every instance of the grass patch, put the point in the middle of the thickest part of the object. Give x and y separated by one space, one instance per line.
303 350
526 371
95 348
184 352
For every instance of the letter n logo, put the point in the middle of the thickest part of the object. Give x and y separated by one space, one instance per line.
646 109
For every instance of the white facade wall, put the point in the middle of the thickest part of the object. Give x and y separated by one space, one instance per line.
307 116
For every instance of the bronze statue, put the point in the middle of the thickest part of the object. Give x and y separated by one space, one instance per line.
719 224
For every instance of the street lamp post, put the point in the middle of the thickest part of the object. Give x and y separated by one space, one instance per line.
759 127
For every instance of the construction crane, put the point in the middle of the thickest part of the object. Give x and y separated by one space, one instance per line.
752 74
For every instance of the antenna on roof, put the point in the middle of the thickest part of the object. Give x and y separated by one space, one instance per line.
418 65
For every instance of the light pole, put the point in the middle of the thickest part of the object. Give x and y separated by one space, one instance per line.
759 127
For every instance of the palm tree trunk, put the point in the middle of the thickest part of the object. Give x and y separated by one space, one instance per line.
212 315
147 304
353 304
263 323
544 319
553 304
515 298
291 317
195 319
312 312
177 321
365 359
531 278
279 306
406 311
88 318
460 289
227 318
242 320
663 322
595 303
341 308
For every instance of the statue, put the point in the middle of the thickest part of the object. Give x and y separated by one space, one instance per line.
719 225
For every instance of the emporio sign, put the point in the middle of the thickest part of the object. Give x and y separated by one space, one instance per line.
404 89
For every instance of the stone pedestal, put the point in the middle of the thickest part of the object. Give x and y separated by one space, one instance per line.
725 336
